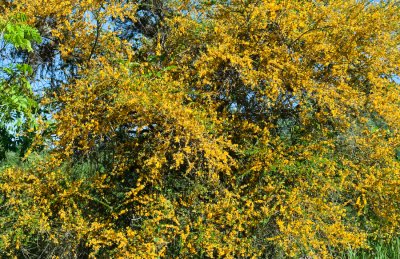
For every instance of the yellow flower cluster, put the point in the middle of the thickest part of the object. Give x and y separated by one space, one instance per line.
241 129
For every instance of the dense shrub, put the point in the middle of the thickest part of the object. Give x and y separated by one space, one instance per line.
211 129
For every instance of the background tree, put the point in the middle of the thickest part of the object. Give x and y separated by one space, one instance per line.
18 102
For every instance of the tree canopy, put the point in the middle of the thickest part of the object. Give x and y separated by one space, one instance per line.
209 129
18 104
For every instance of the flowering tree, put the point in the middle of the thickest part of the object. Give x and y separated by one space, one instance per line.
212 129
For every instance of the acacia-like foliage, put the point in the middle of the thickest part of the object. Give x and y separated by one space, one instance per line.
212 129
17 101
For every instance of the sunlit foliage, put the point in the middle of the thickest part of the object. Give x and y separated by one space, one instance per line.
17 100
211 129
